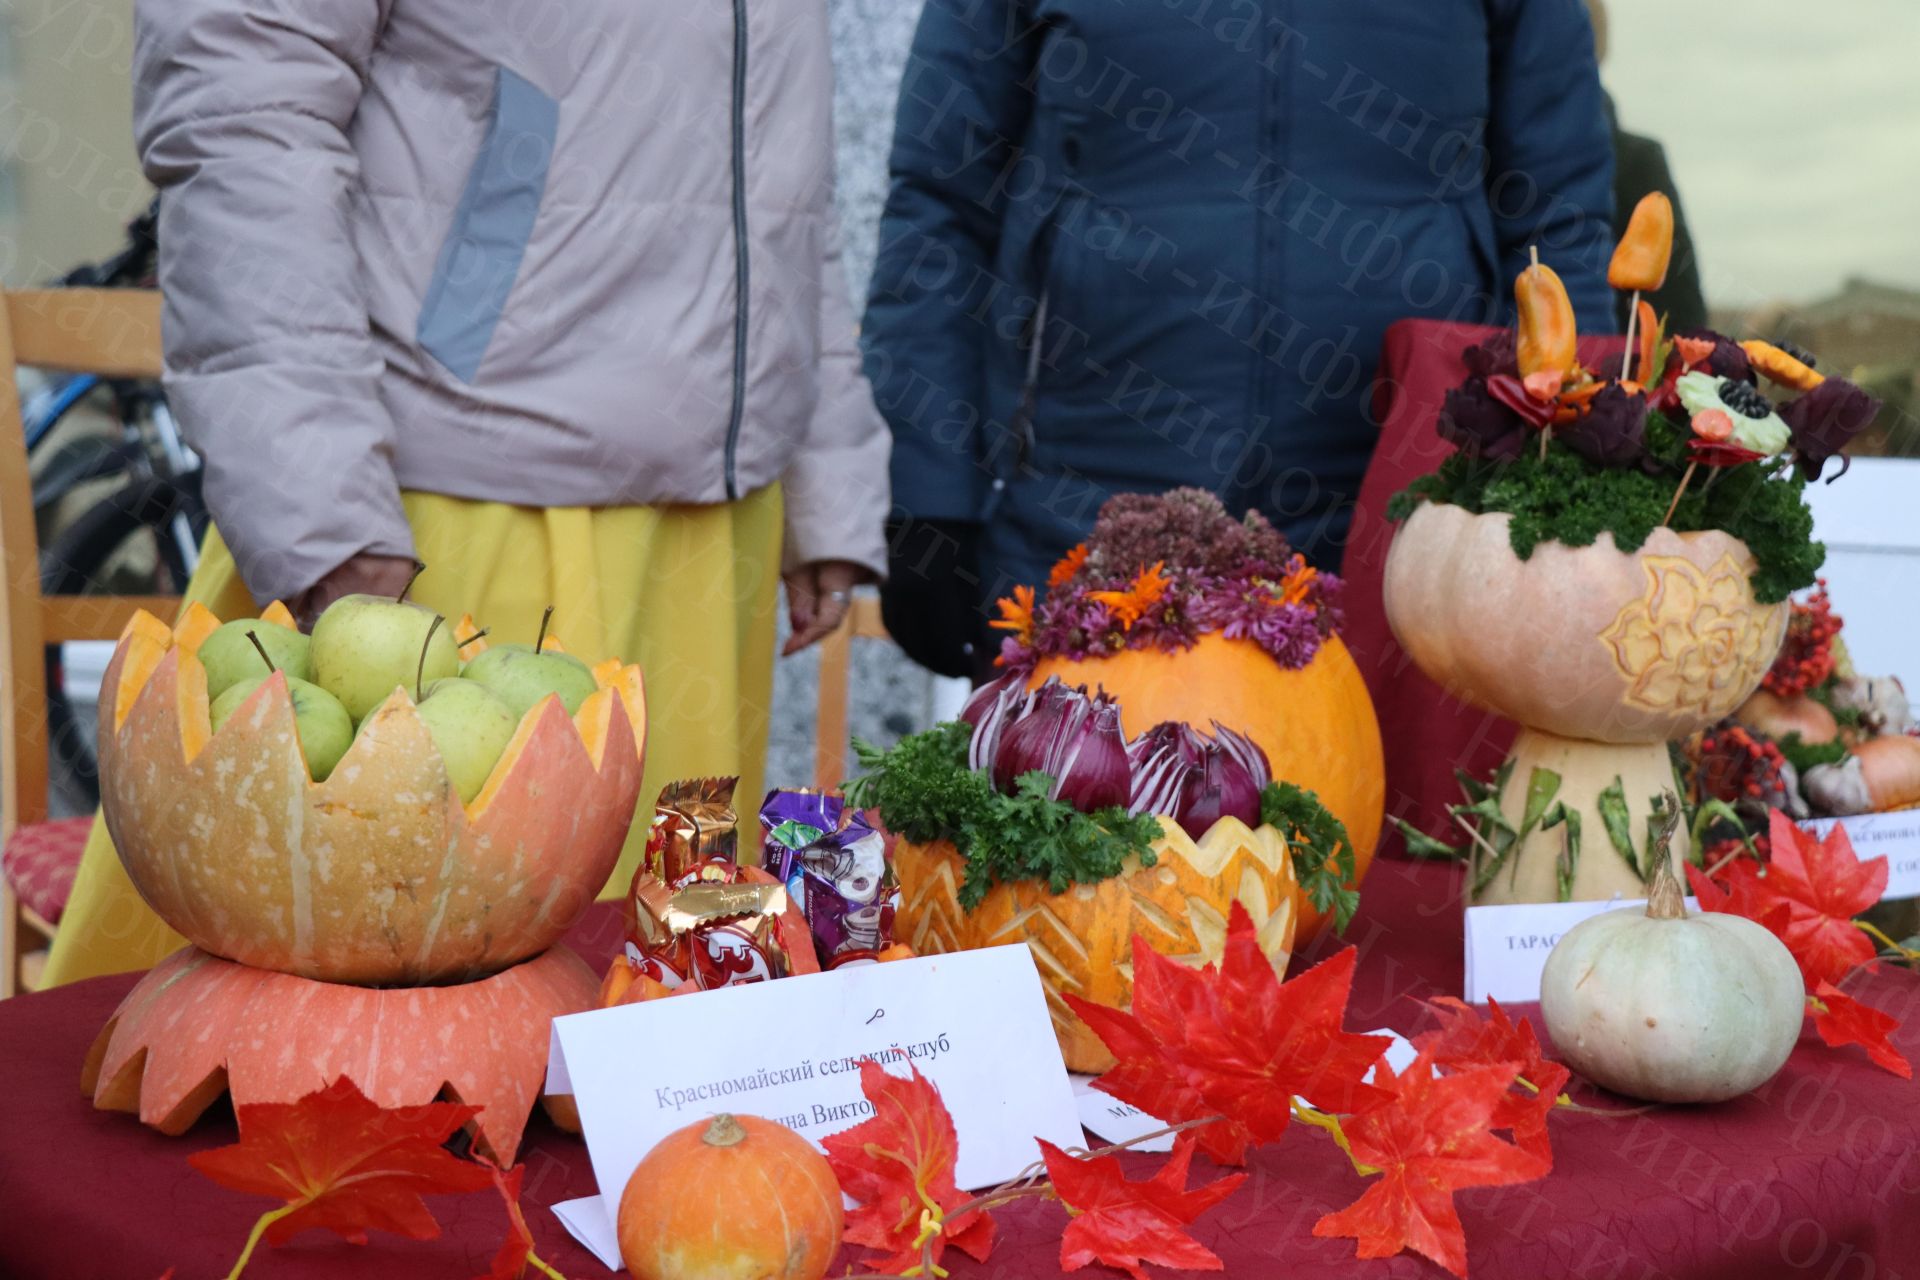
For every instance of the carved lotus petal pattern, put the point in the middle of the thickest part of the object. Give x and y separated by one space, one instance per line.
1696 641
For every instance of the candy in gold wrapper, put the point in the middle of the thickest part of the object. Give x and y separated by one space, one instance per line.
693 823
728 925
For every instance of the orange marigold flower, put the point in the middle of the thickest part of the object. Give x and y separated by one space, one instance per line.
1145 591
1298 582
1016 615
1069 566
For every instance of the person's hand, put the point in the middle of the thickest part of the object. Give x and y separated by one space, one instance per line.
365 574
817 599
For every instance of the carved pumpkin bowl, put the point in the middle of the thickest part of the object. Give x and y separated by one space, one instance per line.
1583 642
380 874
1081 939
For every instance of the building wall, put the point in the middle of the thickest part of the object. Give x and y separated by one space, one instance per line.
70 181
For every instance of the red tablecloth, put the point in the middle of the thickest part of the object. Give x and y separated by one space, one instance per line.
1816 1175
1426 732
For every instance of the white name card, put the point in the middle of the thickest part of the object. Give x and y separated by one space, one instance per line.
1896 835
975 1023
1507 945
1111 1120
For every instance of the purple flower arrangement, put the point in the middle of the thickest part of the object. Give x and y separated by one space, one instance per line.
1160 571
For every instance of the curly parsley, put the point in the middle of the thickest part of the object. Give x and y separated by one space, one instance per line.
1323 860
1566 499
923 790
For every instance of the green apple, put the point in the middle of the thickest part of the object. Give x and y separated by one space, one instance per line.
364 647
471 727
519 677
324 728
229 656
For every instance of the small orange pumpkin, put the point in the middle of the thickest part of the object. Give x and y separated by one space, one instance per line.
731 1196
1316 723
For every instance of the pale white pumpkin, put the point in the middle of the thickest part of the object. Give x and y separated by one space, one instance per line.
1670 1005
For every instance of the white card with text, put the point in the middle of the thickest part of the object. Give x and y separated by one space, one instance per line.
975 1023
1111 1120
1896 835
1507 945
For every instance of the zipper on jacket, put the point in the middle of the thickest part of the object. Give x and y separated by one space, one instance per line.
740 279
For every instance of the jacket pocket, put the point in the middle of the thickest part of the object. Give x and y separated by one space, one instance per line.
481 255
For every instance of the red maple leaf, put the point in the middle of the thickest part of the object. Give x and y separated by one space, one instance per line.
1465 1039
1233 1041
1124 1224
1842 1020
1432 1138
899 1166
344 1164
511 1262
1820 884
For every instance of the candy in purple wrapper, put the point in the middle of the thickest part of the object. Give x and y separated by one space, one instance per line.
835 868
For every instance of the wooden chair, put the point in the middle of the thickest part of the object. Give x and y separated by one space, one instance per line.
115 333
830 724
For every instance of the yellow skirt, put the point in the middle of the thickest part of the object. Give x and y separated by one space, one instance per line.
687 592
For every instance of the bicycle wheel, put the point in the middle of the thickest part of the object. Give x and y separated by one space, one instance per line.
123 545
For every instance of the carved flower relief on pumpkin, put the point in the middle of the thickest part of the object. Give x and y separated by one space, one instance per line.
1695 642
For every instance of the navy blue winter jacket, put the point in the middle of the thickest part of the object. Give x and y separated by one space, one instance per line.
1132 244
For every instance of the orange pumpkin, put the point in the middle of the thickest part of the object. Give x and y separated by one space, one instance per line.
731 1196
197 1026
1082 939
1316 724
380 874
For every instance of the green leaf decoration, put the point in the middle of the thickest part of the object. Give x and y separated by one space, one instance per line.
923 790
1567 866
1542 786
1612 803
1422 845
1323 858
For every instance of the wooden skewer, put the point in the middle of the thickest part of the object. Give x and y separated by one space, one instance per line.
1684 481
1633 322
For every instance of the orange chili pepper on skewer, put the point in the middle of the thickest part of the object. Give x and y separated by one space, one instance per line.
1640 259
1547 337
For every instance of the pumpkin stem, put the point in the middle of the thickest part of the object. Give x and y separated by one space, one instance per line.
262 651
1667 900
420 670
419 567
725 1131
540 641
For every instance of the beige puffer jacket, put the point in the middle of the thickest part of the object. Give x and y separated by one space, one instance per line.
549 253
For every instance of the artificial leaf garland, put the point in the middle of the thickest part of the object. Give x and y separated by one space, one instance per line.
1124 1224
1807 895
1223 1050
1234 1041
1431 1138
899 1166
1464 1039
342 1163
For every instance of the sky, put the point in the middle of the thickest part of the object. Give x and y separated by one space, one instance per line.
1793 131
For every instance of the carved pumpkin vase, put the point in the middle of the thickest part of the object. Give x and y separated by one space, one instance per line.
1601 656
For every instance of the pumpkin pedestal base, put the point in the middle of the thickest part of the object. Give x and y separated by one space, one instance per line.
198 1026
1599 871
